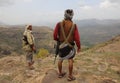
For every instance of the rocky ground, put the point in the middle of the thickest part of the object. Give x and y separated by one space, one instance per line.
101 64
88 68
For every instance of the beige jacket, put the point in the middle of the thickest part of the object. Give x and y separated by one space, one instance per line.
30 39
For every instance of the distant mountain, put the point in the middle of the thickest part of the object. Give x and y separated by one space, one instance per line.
95 31
94 22
1 23
92 31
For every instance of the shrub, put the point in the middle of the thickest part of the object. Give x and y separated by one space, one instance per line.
42 53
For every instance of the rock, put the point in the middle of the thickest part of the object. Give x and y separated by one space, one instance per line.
5 52
82 80
50 77
31 73
108 81
118 72
115 68
103 67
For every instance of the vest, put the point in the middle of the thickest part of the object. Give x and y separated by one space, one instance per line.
67 24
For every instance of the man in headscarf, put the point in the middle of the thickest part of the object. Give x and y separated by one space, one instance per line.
66 32
28 45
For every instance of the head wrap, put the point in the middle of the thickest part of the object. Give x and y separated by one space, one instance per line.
68 14
26 29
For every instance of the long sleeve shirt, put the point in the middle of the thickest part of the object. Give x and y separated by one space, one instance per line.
76 36
29 36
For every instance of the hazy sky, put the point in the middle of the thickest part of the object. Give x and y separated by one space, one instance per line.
44 11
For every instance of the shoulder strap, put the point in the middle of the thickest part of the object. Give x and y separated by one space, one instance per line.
63 32
70 33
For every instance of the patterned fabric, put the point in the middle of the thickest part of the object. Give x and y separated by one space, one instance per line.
30 39
29 56
69 56
29 35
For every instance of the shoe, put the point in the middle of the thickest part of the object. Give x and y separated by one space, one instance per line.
32 62
62 75
71 78
31 68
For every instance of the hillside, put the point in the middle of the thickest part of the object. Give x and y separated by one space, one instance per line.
11 38
92 66
110 46
94 31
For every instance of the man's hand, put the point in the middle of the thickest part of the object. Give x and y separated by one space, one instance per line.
34 49
78 50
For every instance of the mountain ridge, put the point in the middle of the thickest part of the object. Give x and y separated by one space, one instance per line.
91 32
109 46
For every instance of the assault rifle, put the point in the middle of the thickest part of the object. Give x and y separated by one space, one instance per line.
56 50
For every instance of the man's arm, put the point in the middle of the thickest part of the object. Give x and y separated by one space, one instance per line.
55 34
77 38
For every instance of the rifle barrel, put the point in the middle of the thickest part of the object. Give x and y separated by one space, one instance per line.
55 59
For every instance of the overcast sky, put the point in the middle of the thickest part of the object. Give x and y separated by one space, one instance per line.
44 11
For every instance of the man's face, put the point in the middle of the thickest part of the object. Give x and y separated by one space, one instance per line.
30 28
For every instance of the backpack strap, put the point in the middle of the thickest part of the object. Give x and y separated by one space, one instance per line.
64 36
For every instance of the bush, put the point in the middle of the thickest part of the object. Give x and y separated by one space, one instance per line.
42 53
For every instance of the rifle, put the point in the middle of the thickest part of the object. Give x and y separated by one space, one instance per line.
56 50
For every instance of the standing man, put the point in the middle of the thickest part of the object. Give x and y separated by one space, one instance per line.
28 45
66 32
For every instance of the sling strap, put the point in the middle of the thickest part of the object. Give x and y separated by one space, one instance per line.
64 36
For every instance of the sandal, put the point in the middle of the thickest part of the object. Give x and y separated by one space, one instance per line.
61 75
31 68
32 62
71 78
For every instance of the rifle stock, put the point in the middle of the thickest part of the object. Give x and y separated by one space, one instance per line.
56 50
